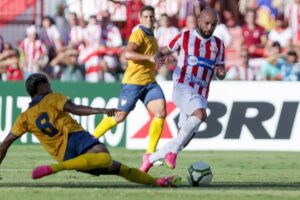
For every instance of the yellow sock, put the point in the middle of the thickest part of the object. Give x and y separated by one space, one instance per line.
84 162
105 124
155 131
136 176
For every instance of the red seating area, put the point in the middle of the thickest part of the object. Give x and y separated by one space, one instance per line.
10 9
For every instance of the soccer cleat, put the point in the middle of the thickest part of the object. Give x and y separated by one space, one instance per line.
41 171
170 160
171 181
146 165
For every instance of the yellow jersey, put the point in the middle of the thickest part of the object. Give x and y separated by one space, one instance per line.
141 72
46 119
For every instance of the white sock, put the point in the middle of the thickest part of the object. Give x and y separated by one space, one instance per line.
174 146
185 133
187 140
160 154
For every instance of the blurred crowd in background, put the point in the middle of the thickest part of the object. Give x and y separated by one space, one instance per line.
262 40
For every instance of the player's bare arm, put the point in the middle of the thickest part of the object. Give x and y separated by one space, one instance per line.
87 110
9 61
10 138
220 72
6 54
132 54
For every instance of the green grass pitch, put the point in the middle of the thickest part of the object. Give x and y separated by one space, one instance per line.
237 175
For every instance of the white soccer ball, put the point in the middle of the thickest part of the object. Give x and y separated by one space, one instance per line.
158 163
199 173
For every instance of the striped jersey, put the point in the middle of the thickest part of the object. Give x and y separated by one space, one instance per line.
196 60
76 35
33 52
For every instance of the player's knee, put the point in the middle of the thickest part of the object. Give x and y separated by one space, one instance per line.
120 117
119 120
115 167
160 114
203 117
201 114
106 160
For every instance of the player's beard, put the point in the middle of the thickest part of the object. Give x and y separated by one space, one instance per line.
201 32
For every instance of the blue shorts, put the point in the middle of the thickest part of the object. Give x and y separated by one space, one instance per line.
79 143
131 93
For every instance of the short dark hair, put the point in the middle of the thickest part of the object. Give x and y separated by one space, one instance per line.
93 16
164 15
33 81
150 8
50 19
292 53
276 44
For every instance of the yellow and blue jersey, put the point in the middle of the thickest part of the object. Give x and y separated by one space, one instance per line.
141 72
46 119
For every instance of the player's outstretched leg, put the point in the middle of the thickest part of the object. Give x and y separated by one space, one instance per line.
83 162
137 176
170 181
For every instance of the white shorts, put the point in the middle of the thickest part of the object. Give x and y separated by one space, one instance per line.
187 101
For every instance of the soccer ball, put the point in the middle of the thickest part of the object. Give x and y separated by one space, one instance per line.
199 173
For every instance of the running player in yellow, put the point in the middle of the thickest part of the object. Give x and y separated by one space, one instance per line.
139 82
65 140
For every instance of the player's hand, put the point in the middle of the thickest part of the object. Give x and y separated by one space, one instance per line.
220 72
111 112
9 53
170 59
152 59
158 60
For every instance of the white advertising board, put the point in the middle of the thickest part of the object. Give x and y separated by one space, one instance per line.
241 116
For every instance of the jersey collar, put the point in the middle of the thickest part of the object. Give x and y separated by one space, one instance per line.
36 100
148 31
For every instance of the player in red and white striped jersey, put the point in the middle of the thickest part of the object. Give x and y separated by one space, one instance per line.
201 55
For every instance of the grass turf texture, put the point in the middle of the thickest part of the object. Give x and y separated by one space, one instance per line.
237 175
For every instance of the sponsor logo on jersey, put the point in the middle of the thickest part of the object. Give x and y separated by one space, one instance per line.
196 80
199 61
192 60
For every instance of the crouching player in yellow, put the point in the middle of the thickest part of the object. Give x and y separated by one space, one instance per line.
74 148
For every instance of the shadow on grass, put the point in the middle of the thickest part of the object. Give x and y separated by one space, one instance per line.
252 185
105 185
